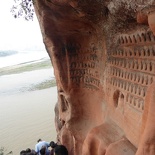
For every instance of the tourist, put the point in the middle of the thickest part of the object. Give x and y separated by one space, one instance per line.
60 150
28 150
43 150
23 152
40 145
33 151
30 153
52 145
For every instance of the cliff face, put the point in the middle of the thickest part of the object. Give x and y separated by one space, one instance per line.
103 53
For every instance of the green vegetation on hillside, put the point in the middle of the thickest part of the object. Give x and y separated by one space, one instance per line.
44 85
25 67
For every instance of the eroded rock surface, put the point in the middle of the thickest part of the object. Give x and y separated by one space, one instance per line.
103 54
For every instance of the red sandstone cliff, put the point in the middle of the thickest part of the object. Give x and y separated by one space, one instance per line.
103 53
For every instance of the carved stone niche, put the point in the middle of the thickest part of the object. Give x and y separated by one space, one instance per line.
103 54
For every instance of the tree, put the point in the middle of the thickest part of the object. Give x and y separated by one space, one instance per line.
23 8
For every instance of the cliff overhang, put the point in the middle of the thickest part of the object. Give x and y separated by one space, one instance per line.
103 56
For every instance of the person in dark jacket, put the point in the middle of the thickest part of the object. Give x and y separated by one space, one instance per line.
60 150
52 145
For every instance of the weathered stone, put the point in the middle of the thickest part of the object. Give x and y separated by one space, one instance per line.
103 54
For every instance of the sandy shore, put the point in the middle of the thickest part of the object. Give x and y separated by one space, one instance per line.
26 117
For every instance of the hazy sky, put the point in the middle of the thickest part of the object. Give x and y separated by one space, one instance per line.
18 34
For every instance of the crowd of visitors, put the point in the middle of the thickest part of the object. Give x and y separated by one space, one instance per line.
46 148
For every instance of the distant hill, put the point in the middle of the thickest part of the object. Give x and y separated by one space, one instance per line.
7 53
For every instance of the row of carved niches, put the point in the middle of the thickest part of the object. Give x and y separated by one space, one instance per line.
138 103
120 98
131 67
141 52
137 64
134 94
84 68
130 87
132 76
136 38
136 91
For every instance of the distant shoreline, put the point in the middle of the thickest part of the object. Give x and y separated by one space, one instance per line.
4 53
